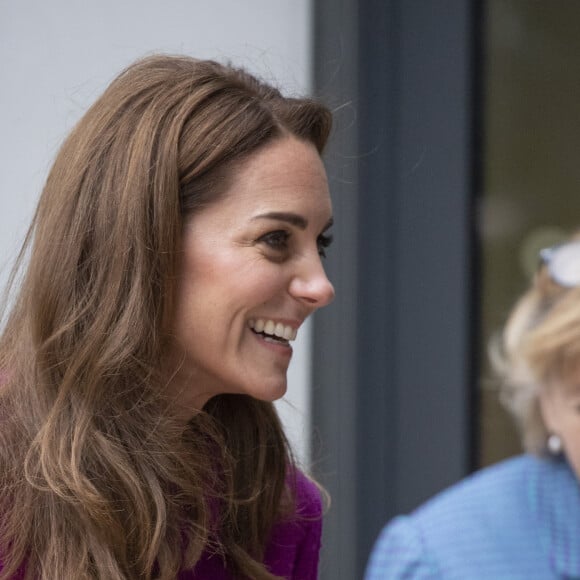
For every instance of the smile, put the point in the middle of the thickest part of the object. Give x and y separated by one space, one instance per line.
273 331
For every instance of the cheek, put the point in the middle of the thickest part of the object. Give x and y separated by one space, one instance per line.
203 275
193 298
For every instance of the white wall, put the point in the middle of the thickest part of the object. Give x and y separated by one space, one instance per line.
56 57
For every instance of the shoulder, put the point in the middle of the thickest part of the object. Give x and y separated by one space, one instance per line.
307 494
473 529
400 553
485 488
294 545
499 489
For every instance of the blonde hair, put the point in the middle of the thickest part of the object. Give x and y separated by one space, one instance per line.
540 346
97 479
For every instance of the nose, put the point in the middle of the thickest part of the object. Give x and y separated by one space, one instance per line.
311 285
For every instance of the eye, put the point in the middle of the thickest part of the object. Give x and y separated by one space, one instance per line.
323 241
277 240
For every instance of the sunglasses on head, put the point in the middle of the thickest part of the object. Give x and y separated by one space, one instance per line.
563 263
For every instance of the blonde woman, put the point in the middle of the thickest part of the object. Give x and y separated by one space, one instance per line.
175 252
519 519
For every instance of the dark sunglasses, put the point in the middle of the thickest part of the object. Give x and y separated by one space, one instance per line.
563 263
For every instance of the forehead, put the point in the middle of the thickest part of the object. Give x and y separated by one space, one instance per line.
285 172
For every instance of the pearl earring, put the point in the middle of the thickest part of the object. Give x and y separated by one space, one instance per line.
554 444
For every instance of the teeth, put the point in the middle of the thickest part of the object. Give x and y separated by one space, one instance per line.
274 329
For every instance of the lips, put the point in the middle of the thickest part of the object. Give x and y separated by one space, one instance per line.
270 329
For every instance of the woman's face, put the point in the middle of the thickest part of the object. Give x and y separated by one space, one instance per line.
251 273
560 406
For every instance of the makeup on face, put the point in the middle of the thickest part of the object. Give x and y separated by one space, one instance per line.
251 272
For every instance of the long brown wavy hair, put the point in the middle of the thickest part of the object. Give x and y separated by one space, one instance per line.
97 478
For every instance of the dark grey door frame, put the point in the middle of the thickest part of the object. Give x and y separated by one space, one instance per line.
394 384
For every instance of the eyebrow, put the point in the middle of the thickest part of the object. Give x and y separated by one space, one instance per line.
291 218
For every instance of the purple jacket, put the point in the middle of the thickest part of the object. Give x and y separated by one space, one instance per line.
294 545
293 549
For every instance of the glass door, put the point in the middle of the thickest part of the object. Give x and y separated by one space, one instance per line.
531 168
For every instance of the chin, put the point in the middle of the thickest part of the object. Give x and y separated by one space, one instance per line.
269 393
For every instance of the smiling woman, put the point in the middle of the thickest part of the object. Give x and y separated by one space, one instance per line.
174 255
251 274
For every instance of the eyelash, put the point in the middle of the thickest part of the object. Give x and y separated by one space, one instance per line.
323 241
278 241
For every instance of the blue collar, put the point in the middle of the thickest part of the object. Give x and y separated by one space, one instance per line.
554 495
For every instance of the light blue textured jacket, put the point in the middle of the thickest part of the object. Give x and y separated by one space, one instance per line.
517 520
